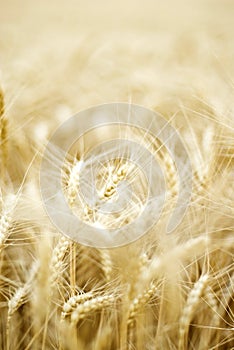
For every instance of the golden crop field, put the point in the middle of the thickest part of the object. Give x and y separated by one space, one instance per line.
117 280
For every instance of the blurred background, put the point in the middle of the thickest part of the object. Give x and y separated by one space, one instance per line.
67 17
59 57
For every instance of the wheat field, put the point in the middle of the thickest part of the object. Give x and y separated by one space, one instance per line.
162 291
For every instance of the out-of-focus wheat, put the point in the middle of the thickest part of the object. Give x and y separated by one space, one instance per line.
3 137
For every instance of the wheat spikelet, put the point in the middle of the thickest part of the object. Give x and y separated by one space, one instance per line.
20 297
57 260
6 219
160 151
89 306
72 188
106 263
140 302
115 171
214 317
21 293
188 312
212 303
74 301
